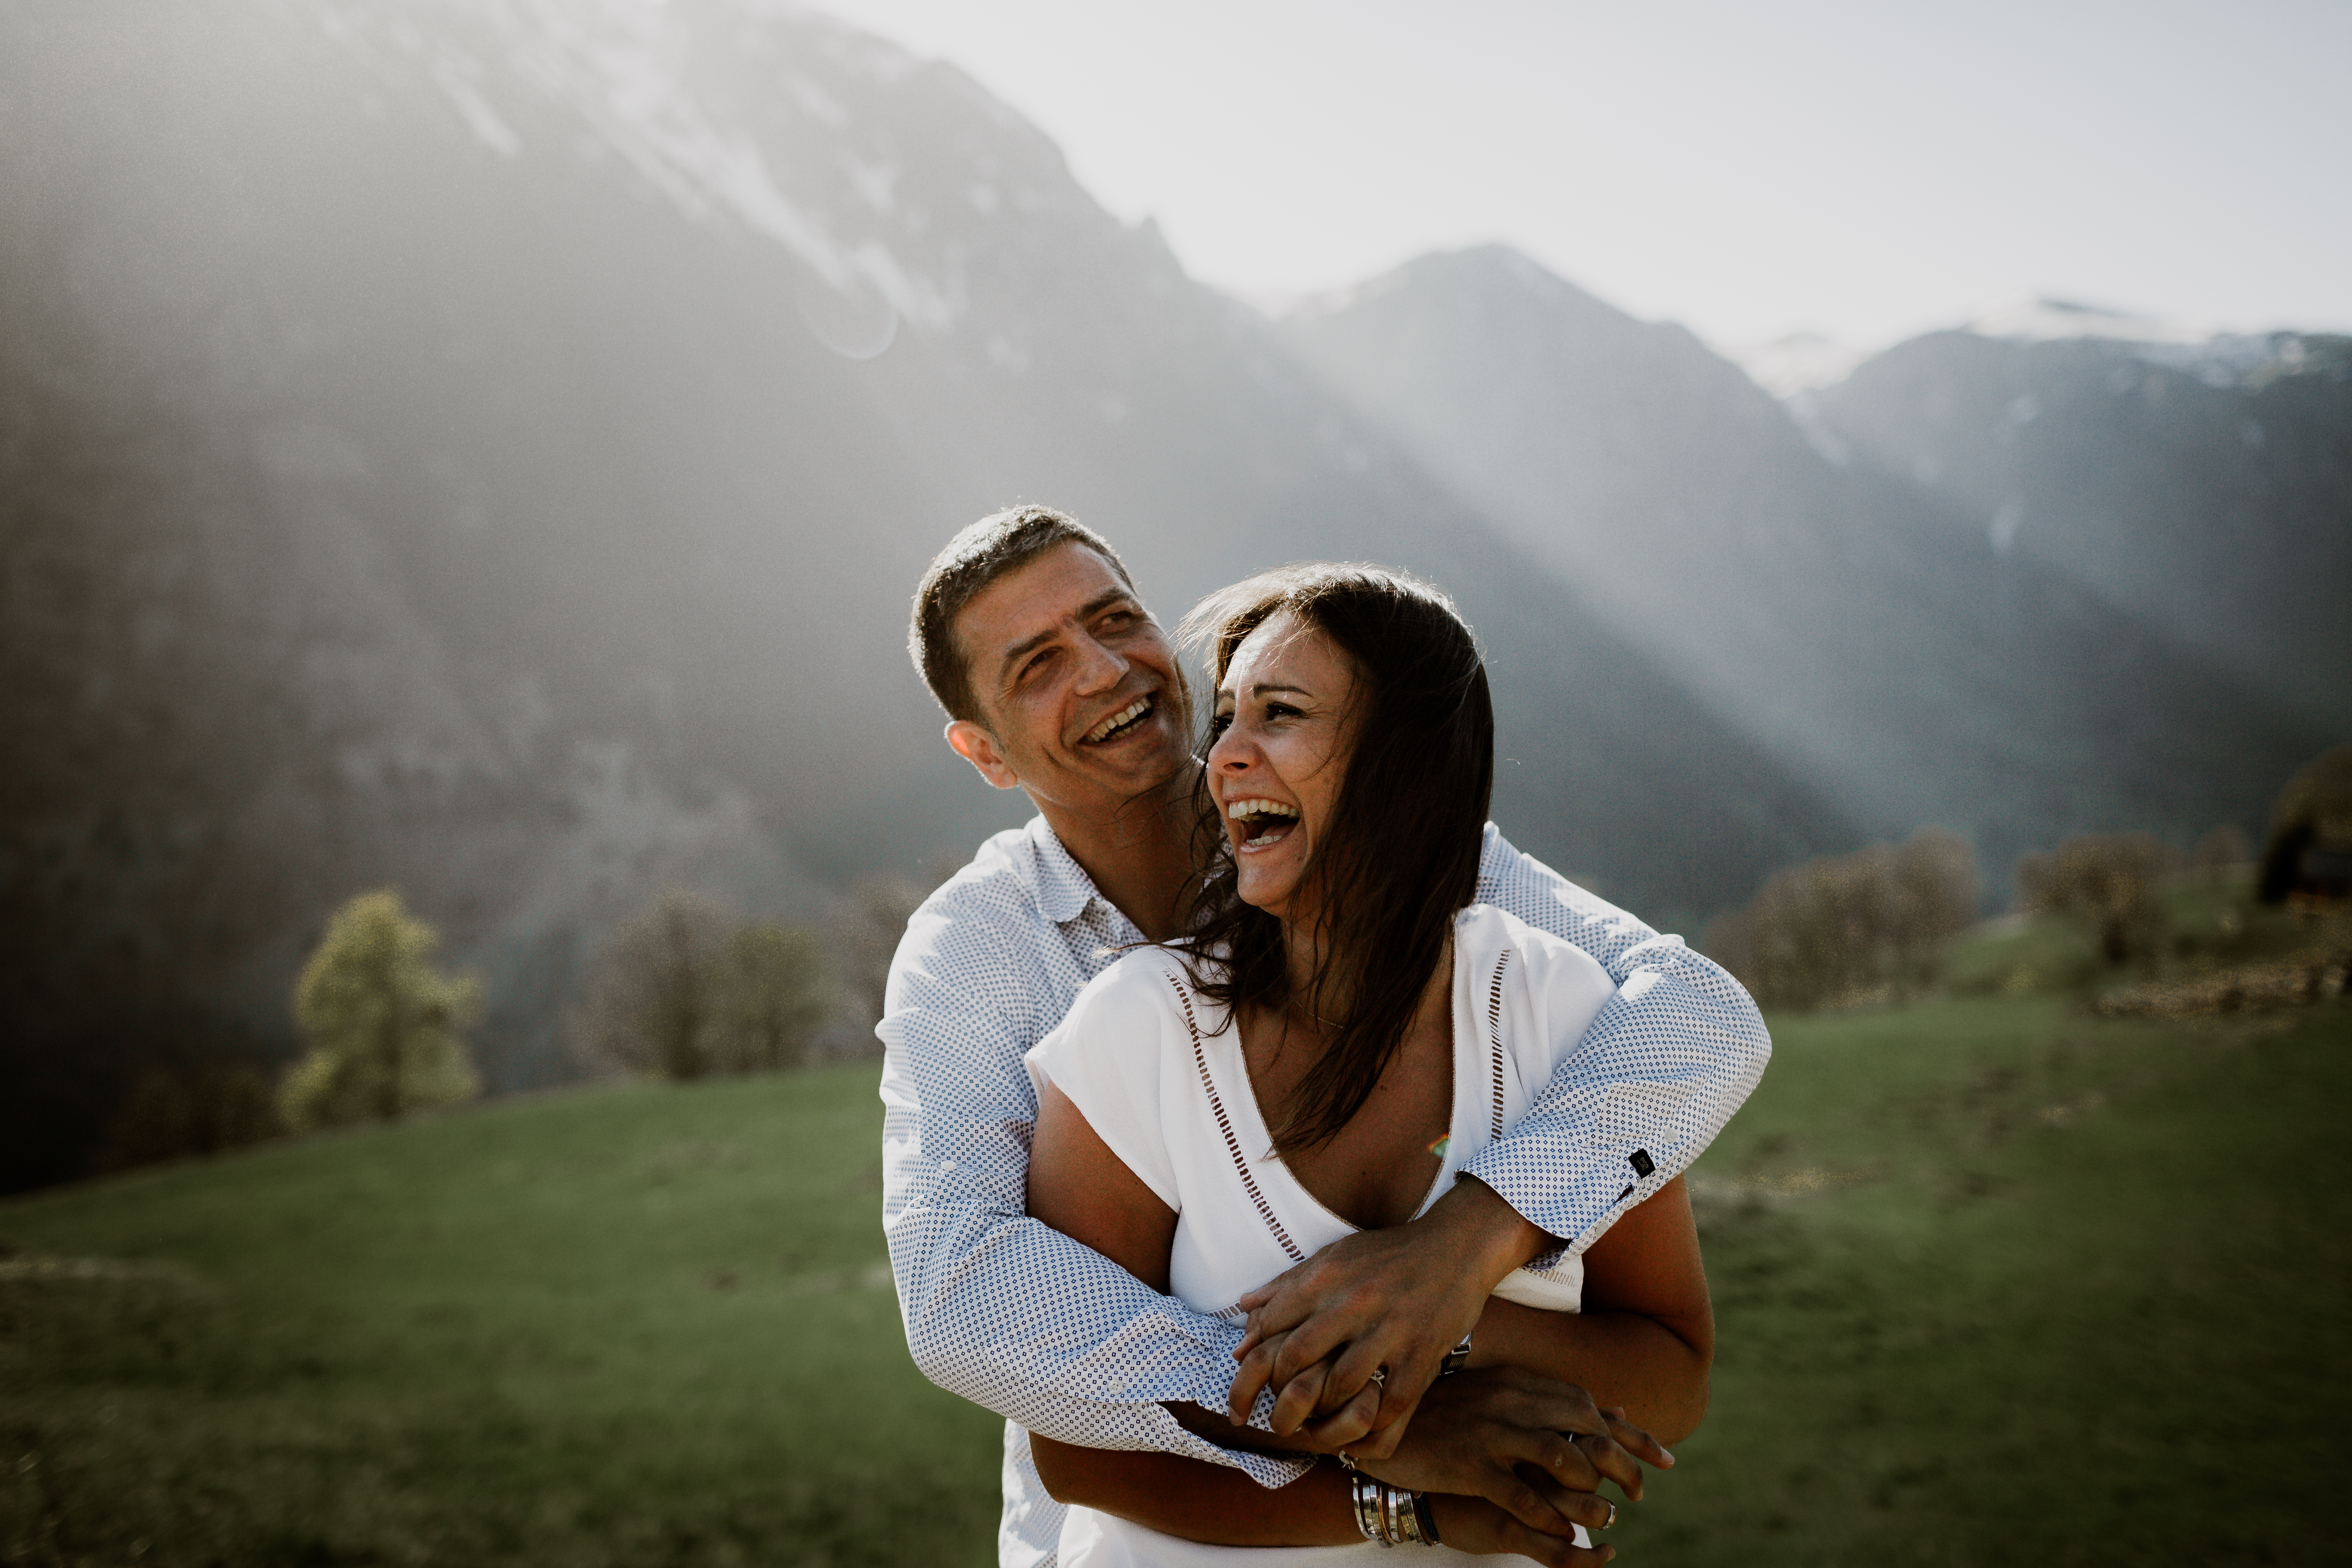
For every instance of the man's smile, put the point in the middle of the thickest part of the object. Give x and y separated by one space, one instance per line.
1118 724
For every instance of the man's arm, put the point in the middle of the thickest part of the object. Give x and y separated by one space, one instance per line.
997 1308
1658 1072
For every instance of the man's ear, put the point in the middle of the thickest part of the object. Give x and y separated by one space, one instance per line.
978 747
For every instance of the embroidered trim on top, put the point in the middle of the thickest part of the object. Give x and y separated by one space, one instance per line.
1224 1124
1494 1035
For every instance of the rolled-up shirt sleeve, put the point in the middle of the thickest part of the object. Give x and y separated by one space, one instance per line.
998 1308
1659 1070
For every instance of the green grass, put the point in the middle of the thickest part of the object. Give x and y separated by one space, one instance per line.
1995 1279
623 1326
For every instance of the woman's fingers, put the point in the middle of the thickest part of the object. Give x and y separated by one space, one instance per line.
1298 1399
1251 1378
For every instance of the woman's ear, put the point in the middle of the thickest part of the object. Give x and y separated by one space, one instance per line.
978 747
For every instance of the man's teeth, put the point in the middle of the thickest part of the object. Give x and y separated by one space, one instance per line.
1260 808
1134 710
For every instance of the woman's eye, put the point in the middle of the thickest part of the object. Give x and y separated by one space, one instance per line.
1220 722
1280 711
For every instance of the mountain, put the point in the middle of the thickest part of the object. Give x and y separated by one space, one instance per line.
2198 483
485 446
1811 588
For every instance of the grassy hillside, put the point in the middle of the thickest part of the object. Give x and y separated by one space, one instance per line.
1995 1278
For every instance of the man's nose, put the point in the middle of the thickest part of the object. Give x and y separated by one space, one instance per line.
1098 668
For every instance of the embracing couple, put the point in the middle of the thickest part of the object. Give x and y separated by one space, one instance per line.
1294 1164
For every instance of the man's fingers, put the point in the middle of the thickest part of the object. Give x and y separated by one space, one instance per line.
1542 1504
1604 1456
1552 1551
1635 1440
1348 1425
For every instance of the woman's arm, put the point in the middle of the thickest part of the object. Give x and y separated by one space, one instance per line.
1645 1338
1079 1187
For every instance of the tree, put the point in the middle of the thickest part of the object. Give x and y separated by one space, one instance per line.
683 992
649 996
866 924
382 1022
2113 879
773 992
1839 924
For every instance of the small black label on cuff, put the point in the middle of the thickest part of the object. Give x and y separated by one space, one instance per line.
1640 1161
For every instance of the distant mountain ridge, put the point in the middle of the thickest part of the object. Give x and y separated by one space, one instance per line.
1841 608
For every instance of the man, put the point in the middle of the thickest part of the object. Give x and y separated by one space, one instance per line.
1058 682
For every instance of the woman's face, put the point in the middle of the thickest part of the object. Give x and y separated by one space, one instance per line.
1285 732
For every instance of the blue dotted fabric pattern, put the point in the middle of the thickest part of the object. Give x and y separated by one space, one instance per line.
1060 1341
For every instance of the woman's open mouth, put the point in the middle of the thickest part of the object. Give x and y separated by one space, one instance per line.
1265 821
1119 723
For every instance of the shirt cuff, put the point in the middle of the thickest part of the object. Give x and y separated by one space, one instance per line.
1209 1392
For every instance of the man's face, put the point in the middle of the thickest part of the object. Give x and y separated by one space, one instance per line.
1080 701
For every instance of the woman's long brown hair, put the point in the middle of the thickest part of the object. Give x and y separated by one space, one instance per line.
1400 856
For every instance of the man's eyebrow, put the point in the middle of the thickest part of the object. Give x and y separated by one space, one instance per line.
1092 608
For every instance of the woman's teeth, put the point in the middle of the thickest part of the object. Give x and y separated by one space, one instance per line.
1271 820
1125 716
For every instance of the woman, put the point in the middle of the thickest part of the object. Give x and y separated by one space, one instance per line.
1341 1032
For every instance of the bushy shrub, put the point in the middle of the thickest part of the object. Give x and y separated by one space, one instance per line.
178 1113
1845 924
684 991
383 1023
775 991
2114 880
2309 852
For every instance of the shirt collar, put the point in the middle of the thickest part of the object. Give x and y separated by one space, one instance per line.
1064 888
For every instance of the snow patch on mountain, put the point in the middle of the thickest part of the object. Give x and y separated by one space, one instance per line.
631 71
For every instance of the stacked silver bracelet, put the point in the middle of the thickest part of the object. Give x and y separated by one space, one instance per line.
1391 1515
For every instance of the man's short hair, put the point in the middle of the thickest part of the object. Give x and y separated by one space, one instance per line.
973 559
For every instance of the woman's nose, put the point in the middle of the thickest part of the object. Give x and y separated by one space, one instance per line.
1232 754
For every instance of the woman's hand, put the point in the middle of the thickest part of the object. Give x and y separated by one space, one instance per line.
1535 1448
1476 1526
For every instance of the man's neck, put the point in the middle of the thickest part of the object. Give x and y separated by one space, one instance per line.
1138 852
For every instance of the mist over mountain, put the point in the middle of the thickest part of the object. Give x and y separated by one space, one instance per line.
485 446
1820 573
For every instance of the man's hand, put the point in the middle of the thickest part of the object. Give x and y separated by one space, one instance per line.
1397 1299
1534 1446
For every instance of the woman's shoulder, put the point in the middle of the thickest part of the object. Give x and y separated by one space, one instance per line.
1489 928
1483 933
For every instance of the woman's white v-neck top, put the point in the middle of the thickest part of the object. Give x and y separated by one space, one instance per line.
1157 1072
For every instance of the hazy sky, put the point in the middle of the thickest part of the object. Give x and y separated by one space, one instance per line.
1864 168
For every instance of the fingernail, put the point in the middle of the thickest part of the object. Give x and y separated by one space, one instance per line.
1662 1449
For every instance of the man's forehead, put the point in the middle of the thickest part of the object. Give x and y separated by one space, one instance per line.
1037 598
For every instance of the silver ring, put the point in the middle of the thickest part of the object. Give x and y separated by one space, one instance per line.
1613 1515
1380 1375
